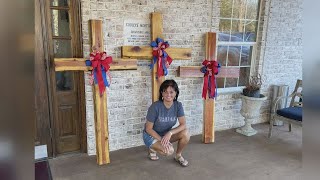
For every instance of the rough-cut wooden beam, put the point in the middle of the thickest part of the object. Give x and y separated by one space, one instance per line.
194 71
156 31
120 64
101 115
145 52
209 104
208 121
78 64
96 34
101 127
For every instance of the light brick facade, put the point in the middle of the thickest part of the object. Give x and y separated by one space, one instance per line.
278 59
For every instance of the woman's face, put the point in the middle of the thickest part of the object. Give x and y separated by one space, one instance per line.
169 94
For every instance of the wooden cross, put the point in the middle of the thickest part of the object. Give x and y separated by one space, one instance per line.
209 104
100 102
145 52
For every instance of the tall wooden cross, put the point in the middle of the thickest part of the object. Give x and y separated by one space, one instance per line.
209 104
100 102
145 52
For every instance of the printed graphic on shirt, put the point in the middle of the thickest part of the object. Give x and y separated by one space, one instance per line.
167 119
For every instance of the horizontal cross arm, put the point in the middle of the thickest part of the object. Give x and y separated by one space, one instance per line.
194 71
78 64
145 52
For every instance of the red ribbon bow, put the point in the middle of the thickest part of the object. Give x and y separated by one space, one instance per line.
211 70
99 60
159 52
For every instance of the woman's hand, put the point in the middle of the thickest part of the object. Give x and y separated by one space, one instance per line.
165 141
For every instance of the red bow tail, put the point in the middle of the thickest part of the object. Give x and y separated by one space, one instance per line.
160 69
205 85
169 59
212 86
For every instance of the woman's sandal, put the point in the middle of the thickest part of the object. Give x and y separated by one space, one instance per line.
181 161
153 155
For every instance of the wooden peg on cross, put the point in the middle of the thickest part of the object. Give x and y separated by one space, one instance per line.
209 104
144 52
100 101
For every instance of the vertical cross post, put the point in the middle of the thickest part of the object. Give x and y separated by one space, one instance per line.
156 31
100 108
209 104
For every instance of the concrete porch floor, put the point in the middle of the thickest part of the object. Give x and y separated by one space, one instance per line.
232 156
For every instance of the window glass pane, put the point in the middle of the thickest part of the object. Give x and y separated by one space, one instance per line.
234 55
64 81
239 9
244 75
224 29
237 30
60 22
226 8
250 31
246 52
220 82
62 48
222 55
60 2
252 9
231 82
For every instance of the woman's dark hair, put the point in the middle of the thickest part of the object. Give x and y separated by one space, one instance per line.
165 85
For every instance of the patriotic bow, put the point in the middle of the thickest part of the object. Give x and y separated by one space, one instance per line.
210 69
160 56
100 63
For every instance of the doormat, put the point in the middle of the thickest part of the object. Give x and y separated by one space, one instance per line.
42 170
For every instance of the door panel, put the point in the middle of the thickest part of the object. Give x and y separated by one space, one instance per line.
67 124
68 131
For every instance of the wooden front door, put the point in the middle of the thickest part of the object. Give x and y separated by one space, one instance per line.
63 33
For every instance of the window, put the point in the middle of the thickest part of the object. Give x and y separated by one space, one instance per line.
62 40
238 23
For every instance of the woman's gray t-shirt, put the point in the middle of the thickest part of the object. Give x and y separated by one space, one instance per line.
164 119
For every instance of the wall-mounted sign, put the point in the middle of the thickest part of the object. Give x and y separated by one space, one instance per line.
136 32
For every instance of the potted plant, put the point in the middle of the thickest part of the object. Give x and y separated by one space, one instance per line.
251 103
253 86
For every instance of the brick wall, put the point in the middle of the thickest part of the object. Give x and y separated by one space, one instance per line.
185 23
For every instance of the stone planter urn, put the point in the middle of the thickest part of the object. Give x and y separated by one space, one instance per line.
250 109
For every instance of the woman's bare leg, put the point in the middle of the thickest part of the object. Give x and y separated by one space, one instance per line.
183 138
